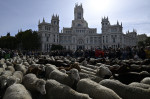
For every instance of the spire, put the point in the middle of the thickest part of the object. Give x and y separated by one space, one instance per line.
107 17
117 22
134 30
21 30
43 20
39 21
121 24
128 31
81 5
76 4
104 17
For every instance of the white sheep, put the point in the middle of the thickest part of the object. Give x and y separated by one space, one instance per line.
84 63
88 69
88 72
11 68
126 91
34 84
56 90
146 80
48 69
91 66
68 79
1 70
139 85
15 78
92 77
22 68
63 70
17 91
95 90
4 78
83 75
103 72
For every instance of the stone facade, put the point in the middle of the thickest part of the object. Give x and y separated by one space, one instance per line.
80 36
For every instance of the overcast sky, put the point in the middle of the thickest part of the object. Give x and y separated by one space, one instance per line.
25 14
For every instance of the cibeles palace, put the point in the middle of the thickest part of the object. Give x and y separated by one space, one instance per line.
80 36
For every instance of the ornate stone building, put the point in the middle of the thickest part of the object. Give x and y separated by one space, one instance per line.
80 36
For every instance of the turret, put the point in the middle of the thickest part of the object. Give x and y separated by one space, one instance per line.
105 24
55 22
43 20
117 22
78 12
39 22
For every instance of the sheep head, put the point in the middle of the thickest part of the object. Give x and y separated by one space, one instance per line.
40 86
103 72
74 74
3 82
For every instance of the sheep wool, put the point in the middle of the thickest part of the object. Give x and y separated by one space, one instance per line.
17 91
126 91
56 90
95 90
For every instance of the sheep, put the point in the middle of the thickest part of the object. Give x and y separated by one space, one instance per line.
146 80
96 78
84 63
91 66
92 77
95 90
63 70
1 70
17 91
11 68
83 75
56 90
126 91
74 65
87 72
22 68
48 69
15 78
88 69
103 72
140 85
33 84
38 70
4 78
70 79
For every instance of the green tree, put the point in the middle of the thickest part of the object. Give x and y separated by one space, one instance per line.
28 40
147 41
56 47
141 44
8 42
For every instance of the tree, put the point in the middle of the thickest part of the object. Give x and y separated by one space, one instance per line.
8 42
56 47
141 44
28 40
147 41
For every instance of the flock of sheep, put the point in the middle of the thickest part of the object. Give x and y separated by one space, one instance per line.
48 77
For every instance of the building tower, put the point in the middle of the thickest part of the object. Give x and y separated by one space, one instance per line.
78 12
55 23
105 25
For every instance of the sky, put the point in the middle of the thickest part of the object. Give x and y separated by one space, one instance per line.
24 14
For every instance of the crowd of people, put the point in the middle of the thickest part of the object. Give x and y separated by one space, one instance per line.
120 53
